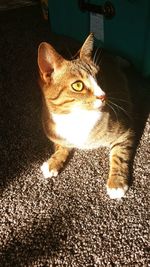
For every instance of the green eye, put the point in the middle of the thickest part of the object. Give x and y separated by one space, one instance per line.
77 86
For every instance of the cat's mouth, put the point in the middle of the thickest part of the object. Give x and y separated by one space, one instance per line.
100 101
97 104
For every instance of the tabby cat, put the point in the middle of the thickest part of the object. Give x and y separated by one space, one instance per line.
86 106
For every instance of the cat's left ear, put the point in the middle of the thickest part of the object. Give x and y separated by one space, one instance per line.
48 60
87 48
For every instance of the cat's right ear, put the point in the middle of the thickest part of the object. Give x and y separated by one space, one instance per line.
48 60
87 48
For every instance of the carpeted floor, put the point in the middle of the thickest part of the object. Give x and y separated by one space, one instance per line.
67 221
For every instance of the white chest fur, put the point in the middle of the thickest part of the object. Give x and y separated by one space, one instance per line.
76 126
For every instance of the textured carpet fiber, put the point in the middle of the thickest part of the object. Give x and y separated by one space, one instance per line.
67 221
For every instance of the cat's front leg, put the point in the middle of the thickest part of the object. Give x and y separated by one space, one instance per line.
51 167
120 159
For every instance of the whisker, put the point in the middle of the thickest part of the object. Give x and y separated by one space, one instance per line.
119 99
98 60
112 110
95 55
125 112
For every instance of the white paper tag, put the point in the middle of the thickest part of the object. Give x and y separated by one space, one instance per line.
97 26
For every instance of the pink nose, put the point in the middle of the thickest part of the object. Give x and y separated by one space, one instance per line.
102 97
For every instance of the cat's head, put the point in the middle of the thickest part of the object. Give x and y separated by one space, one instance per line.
70 84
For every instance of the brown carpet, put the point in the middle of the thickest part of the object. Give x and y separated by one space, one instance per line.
67 221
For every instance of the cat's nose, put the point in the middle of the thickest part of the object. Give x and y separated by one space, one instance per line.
102 97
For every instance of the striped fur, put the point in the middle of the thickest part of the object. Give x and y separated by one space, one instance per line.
98 115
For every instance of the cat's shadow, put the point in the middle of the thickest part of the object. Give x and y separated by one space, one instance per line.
140 93
139 87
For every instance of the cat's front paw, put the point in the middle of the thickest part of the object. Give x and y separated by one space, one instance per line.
48 173
116 189
117 193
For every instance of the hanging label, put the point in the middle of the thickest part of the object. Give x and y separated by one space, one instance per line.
97 26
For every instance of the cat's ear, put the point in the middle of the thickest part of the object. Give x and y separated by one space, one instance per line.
87 48
48 60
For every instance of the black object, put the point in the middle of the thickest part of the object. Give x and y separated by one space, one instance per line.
107 9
